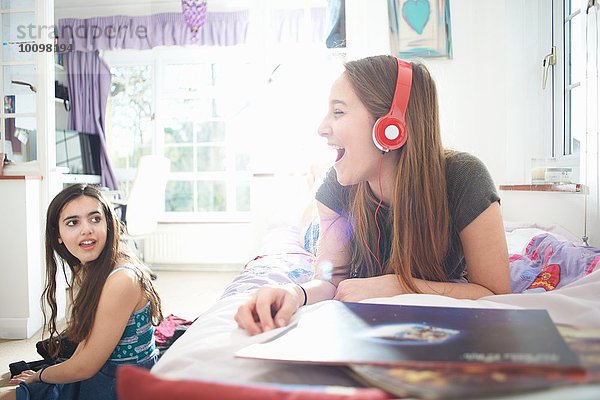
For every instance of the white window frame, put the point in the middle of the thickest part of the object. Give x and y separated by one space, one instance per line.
561 132
159 58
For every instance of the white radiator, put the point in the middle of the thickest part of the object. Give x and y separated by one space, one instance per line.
201 244
163 248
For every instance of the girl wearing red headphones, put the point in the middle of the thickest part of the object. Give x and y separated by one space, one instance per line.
398 213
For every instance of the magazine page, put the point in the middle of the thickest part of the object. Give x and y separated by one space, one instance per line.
399 335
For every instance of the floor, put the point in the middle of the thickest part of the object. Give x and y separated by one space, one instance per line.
185 294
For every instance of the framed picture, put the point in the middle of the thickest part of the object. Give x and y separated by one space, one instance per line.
9 104
420 28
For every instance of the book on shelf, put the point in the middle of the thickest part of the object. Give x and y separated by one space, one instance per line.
432 352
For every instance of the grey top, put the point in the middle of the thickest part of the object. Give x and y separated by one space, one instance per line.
471 191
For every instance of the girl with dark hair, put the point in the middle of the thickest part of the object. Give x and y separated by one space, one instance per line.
113 305
410 218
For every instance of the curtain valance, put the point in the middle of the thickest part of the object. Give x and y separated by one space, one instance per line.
146 32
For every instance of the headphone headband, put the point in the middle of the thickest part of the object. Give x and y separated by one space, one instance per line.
402 92
389 131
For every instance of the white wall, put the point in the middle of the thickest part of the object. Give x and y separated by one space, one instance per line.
21 272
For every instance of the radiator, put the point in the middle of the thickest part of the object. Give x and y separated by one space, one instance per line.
176 244
163 248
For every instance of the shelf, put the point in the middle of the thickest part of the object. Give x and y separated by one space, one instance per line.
20 177
18 115
547 187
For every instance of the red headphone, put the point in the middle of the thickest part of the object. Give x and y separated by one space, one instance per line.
389 131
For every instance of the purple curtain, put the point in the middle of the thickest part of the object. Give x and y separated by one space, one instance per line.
89 77
89 84
146 32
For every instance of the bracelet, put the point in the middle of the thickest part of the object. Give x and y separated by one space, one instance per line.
305 296
40 375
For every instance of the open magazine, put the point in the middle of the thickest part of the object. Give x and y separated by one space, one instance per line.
419 336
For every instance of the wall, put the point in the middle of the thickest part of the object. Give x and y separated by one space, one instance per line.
21 269
491 100
546 209
500 47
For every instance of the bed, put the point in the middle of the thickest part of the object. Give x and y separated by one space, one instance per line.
204 355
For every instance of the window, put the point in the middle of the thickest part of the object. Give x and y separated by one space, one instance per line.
192 120
209 172
130 114
221 114
569 91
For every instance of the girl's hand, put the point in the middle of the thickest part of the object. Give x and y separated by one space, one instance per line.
270 307
357 289
27 376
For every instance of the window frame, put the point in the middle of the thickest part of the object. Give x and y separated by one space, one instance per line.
562 136
126 58
159 58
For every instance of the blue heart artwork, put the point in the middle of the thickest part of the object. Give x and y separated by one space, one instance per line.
416 14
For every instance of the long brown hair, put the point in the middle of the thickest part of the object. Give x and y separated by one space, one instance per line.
86 282
419 218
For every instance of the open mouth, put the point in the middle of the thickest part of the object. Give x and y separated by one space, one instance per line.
340 153
87 243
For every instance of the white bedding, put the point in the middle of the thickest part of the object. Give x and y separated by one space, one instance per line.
206 351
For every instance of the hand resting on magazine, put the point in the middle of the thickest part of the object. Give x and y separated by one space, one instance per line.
272 307
269 308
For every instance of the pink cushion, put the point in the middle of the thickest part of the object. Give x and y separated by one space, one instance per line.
134 383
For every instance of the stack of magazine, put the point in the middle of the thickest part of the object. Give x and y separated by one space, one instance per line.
439 352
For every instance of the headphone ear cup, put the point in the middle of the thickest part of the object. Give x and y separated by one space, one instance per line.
389 133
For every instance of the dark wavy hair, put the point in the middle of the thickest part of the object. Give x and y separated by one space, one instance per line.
86 281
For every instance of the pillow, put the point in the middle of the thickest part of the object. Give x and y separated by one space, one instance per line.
135 383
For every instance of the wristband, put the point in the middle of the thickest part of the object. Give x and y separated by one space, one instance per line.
40 375
305 296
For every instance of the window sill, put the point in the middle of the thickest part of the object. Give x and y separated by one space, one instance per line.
547 187
21 177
